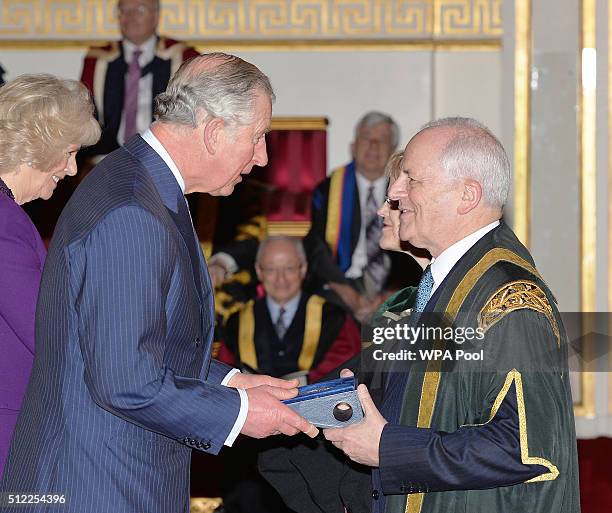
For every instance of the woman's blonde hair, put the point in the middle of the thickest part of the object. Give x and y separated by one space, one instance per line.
40 116
393 168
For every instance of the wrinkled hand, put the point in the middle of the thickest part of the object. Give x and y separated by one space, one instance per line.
360 441
268 416
245 381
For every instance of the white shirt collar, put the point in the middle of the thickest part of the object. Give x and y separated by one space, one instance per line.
442 265
290 307
147 48
380 185
158 148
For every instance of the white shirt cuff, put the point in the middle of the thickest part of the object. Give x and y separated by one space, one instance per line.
242 414
228 376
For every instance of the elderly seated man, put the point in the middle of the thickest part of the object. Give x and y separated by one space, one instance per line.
288 331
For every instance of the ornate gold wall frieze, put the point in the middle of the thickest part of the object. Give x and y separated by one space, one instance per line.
283 45
206 20
460 18
349 45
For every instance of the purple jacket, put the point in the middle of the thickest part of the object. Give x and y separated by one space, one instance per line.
22 255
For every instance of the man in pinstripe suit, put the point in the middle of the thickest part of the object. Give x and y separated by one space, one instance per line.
123 385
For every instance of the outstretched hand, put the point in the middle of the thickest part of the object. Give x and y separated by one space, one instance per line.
268 416
360 442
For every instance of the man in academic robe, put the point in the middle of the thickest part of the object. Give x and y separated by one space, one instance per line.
286 332
449 434
342 244
125 76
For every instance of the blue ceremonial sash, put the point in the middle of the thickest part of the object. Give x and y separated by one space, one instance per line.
347 202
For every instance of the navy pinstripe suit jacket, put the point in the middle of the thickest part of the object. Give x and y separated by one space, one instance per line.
123 385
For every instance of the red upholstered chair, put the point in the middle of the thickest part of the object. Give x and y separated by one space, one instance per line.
276 199
297 162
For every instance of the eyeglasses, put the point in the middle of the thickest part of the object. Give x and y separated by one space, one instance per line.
393 203
290 270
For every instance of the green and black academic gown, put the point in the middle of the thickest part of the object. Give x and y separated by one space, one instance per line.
496 435
395 306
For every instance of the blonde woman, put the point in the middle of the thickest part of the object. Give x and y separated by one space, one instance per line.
390 240
44 120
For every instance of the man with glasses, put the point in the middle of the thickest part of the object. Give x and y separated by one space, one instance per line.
342 244
125 76
286 332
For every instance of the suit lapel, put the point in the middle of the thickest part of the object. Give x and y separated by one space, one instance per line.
173 199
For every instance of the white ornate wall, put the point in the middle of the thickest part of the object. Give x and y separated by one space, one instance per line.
415 59
261 19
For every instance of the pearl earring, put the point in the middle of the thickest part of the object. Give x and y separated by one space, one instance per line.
30 163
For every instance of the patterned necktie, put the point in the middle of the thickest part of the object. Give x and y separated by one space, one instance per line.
424 290
376 263
130 104
280 327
